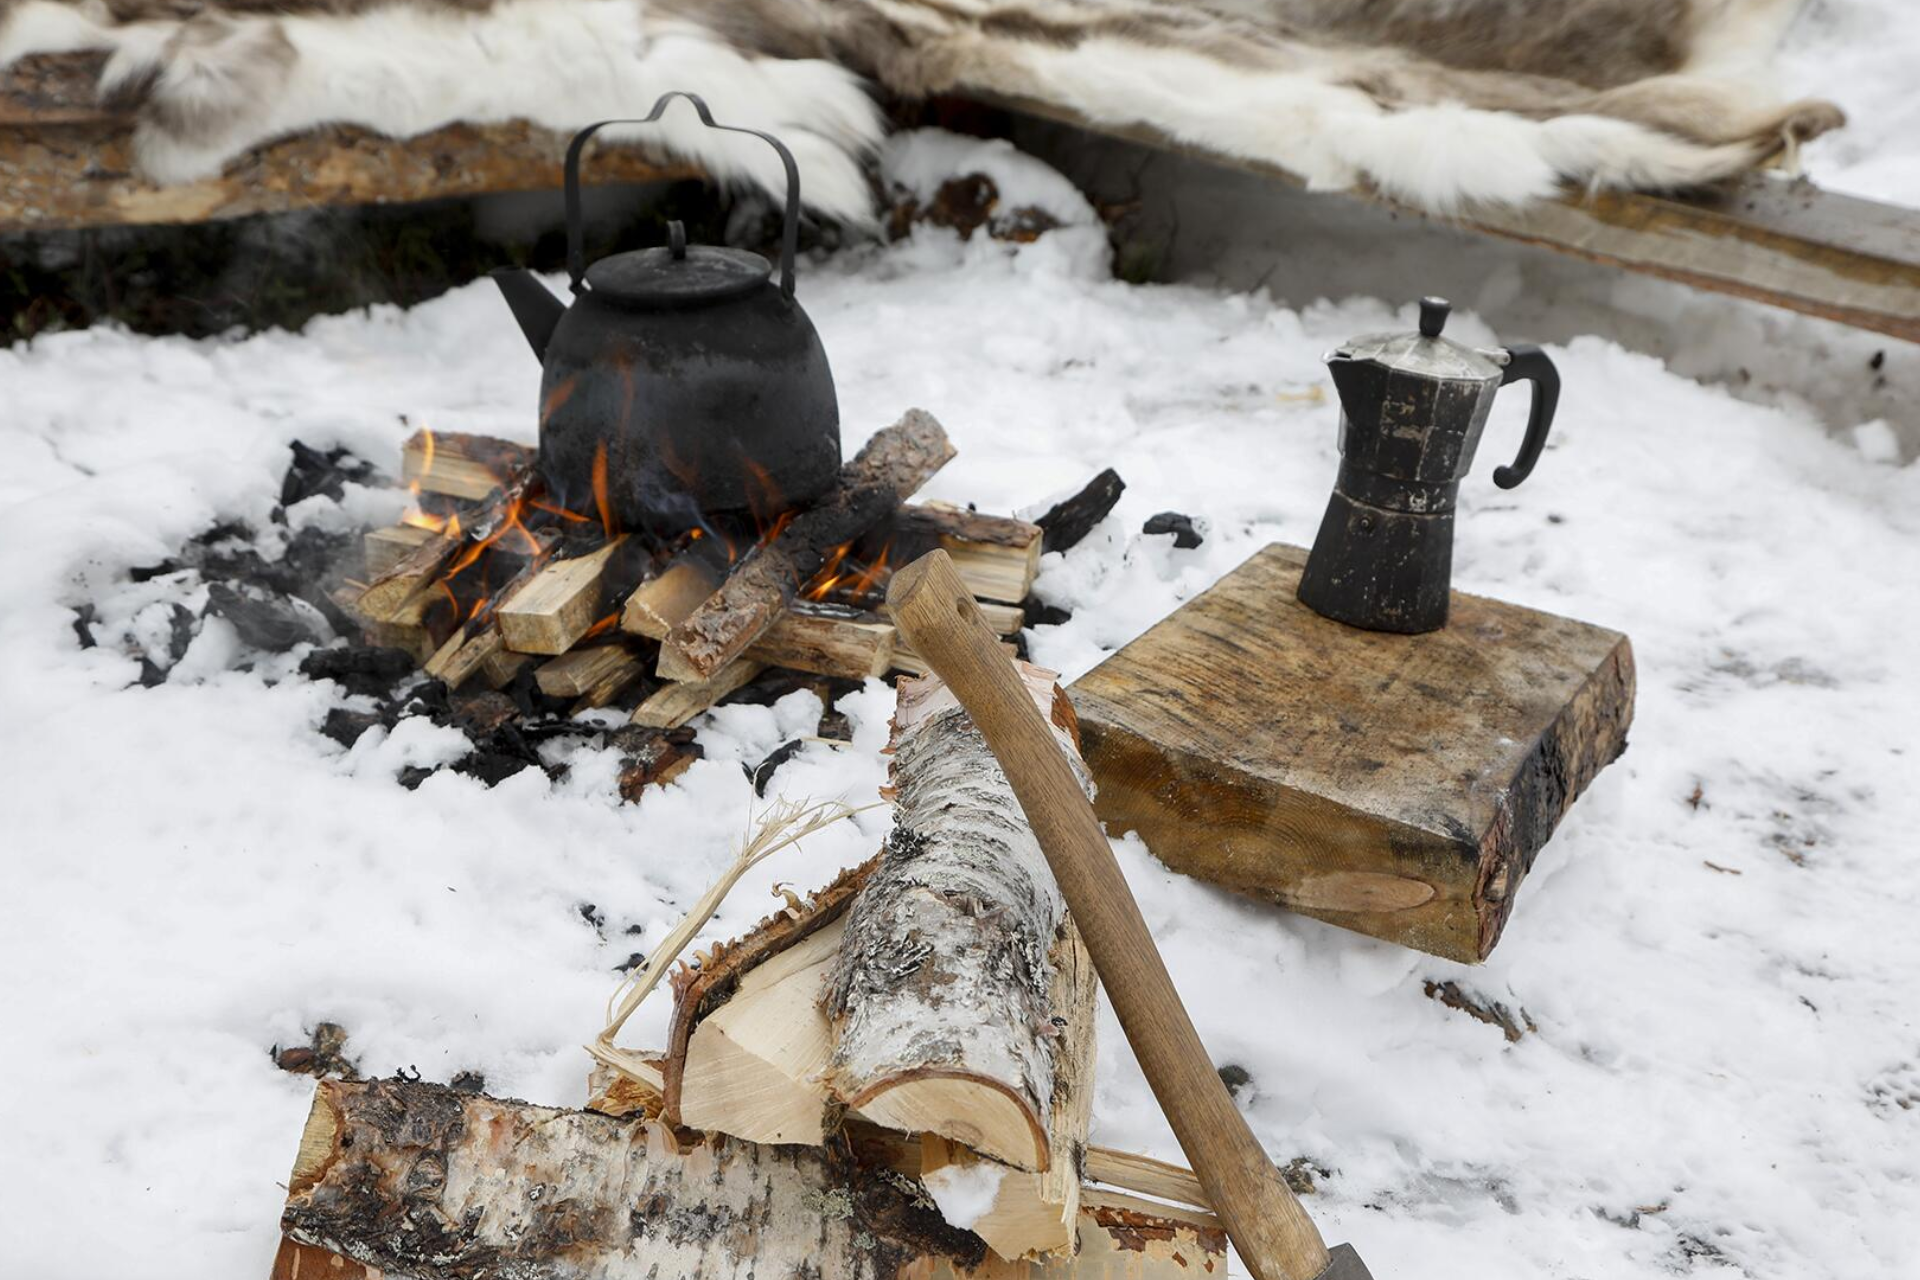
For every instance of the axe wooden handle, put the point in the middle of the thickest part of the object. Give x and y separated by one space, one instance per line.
1276 1239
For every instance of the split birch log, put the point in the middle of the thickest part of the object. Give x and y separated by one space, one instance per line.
961 1000
678 701
580 672
408 1179
892 467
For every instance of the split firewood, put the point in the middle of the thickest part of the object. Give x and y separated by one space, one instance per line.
827 640
404 1178
892 466
670 596
478 652
461 465
385 548
574 674
678 701
996 556
559 604
1004 619
403 592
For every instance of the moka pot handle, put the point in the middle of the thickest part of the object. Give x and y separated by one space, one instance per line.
1530 364
789 232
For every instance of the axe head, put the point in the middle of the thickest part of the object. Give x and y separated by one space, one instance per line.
1344 1264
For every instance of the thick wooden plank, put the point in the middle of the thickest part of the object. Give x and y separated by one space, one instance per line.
1400 786
66 163
1763 237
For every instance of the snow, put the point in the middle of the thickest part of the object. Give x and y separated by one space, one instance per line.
1859 54
1715 952
964 1192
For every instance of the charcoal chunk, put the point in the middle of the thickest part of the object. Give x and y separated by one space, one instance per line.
1035 614
83 619
1185 536
313 472
262 622
761 774
346 727
367 669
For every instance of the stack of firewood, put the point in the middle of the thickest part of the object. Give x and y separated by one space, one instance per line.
892 1078
485 578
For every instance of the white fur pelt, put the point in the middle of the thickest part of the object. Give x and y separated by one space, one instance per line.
216 83
1440 104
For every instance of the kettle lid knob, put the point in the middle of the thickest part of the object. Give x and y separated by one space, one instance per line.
677 241
1433 316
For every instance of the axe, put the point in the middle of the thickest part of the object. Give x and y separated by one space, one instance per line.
1276 1239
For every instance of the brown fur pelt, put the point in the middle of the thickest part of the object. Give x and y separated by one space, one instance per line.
1436 102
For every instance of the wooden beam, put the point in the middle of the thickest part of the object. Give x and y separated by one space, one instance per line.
1763 237
65 163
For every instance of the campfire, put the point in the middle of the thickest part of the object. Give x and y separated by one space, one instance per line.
488 583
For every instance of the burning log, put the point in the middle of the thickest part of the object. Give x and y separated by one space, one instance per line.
559 604
404 592
460 465
892 466
405 1178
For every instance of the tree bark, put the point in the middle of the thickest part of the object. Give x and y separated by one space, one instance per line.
408 1179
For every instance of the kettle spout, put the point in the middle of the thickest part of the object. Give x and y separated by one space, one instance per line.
1351 378
532 304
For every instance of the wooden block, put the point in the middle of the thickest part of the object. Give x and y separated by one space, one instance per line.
559 604
387 547
461 465
675 703
1396 785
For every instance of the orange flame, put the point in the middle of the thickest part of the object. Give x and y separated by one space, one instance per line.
600 499
603 626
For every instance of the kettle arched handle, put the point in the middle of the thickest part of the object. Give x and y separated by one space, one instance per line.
789 233
1530 364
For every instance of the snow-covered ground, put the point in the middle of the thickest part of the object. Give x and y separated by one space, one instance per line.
1716 952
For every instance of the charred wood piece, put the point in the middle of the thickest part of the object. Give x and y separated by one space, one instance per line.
1066 523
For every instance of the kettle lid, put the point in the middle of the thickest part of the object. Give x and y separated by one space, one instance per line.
677 274
1426 354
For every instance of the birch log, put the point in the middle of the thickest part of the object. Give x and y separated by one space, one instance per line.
407 1179
945 1016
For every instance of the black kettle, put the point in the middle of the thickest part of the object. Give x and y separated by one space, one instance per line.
1412 407
682 382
